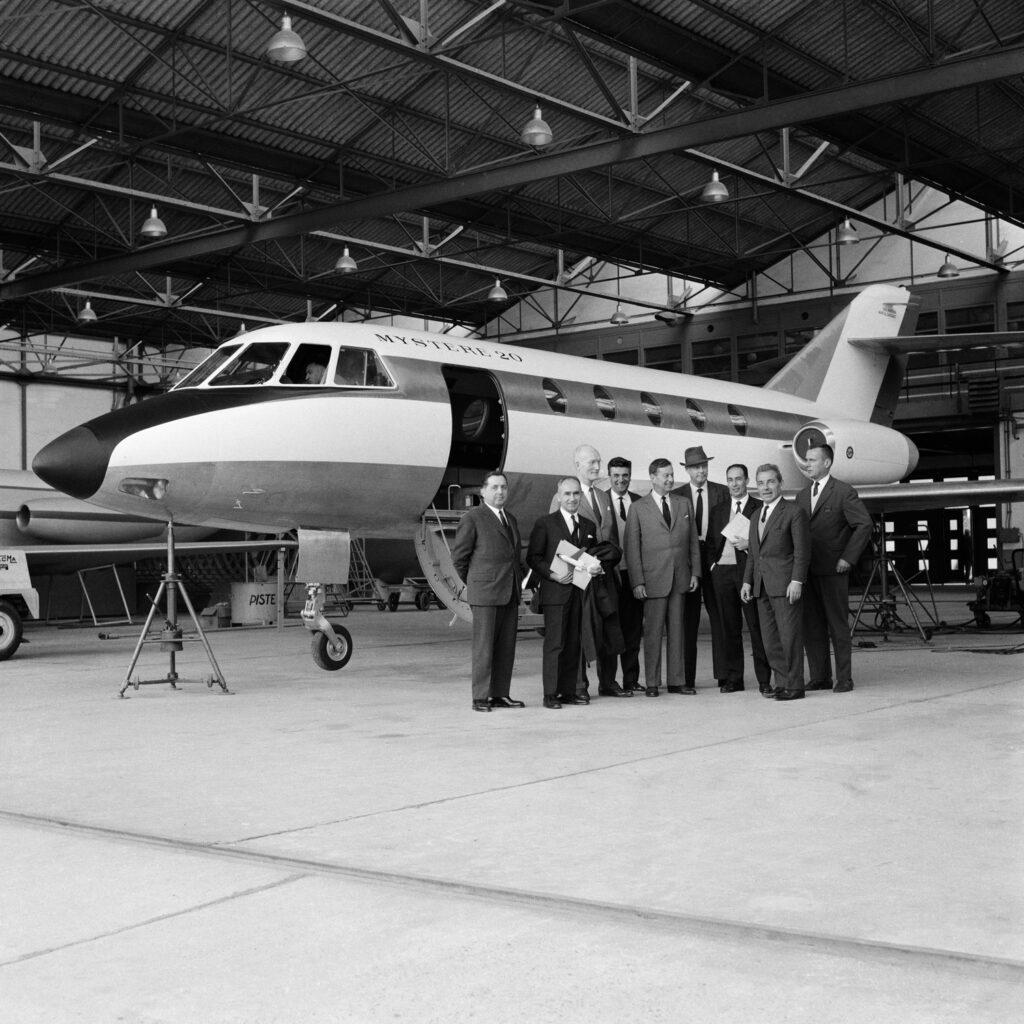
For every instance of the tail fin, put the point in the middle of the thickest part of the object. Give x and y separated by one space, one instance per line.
863 381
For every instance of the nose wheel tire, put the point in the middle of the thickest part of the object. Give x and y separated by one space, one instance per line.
10 630
330 656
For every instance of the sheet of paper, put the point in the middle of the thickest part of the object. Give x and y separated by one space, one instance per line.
737 529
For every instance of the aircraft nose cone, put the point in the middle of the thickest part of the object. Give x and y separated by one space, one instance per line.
74 463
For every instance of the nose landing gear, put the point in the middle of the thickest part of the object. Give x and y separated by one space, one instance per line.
331 642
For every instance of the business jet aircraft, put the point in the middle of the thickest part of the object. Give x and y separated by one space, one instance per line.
348 427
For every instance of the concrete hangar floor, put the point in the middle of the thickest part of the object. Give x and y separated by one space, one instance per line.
359 846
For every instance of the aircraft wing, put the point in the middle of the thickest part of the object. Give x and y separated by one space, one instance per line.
69 557
917 495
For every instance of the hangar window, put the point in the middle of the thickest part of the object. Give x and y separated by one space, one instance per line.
605 403
554 396
664 357
712 358
739 421
697 415
254 365
361 368
651 407
209 365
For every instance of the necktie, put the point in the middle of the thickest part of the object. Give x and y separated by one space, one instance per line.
504 523
737 512
575 530
764 519
622 509
700 512
814 489
594 505
665 512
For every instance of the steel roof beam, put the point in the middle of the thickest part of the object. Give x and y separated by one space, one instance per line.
947 76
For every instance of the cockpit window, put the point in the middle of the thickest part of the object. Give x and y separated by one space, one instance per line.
361 368
214 361
256 364
308 365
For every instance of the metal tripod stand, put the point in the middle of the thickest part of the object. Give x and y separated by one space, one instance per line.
170 637
887 618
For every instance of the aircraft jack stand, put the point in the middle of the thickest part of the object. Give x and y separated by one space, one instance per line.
170 637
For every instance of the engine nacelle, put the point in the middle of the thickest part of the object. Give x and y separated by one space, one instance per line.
865 453
64 520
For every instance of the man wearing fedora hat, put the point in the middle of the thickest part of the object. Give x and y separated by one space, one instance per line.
703 496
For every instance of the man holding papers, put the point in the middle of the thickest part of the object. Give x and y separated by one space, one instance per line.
557 554
728 541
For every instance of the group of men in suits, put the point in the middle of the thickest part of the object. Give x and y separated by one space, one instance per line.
781 566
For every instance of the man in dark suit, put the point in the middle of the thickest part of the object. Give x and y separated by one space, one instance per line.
595 505
486 555
728 560
780 554
703 496
560 599
840 529
631 611
663 558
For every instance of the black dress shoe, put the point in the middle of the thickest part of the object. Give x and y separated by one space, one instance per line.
674 689
689 691
651 691
767 690
731 687
819 684
506 702
551 702
481 705
613 691
790 695
632 687
574 698
842 688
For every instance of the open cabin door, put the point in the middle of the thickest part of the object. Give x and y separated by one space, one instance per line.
478 445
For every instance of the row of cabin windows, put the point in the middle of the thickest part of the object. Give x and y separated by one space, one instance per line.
607 406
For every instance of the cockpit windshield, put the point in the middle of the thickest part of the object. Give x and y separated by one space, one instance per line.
265 362
214 361
255 365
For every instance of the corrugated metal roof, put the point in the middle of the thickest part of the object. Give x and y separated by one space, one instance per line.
179 105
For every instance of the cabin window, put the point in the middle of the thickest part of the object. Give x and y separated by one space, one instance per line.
652 408
308 365
209 365
697 415
254 365
739 421
554 396
605 403
361 368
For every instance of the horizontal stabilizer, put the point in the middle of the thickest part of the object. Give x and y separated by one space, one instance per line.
918 495
922 344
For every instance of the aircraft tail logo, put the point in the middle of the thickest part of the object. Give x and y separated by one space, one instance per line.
841 369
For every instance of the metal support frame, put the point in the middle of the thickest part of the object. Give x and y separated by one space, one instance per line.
171 637
88 600
883 605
